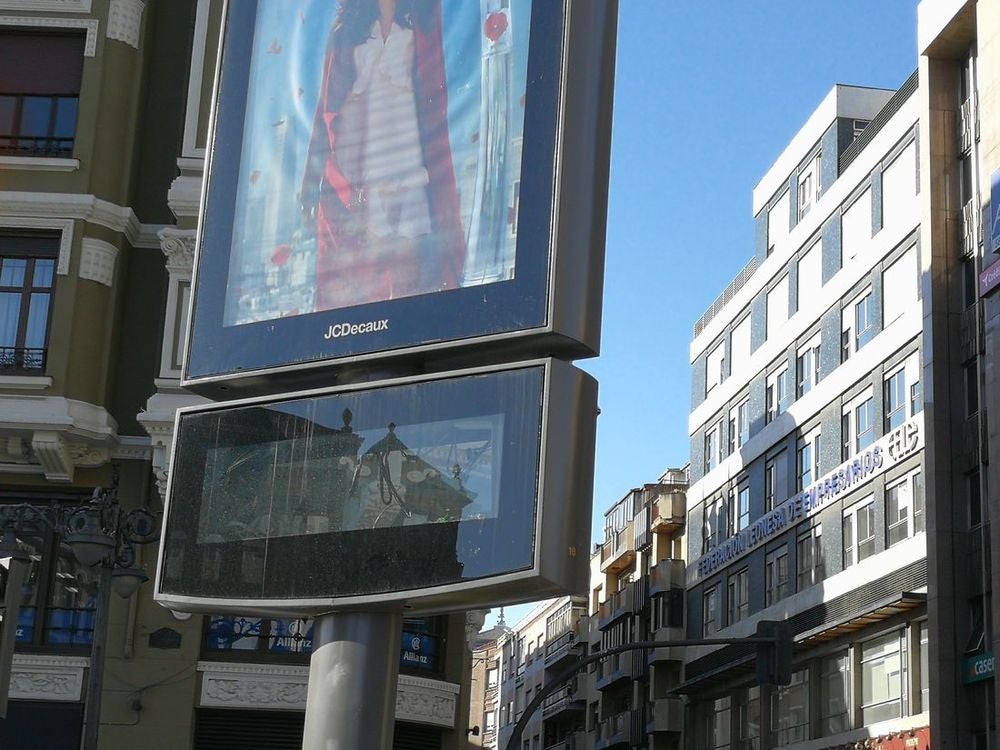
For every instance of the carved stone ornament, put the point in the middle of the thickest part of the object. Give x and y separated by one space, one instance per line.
97 261
418 699
178 246
89 24
125 21
47 6
48 678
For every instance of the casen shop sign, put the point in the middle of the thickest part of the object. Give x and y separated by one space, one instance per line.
888 451
978 667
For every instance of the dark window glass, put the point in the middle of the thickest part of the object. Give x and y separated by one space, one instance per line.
27 274
40 75
394 488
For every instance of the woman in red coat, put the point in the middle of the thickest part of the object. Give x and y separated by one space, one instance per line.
379 184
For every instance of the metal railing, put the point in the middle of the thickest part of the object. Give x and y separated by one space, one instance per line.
723 299
20 358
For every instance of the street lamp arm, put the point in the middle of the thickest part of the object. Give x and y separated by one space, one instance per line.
562 677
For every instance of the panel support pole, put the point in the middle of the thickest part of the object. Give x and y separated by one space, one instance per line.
352 681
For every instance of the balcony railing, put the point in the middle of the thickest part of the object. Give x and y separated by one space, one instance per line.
614 731
614 669
617 605
567 698
665 715
17 358
572 741
667 653
38 125
968 230
618 552
966 125
668 512
665 576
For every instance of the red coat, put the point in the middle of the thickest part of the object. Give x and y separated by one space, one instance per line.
345 274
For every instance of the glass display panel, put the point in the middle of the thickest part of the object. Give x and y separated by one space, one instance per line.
370 187
365 492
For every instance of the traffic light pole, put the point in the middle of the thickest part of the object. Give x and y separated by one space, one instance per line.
775 642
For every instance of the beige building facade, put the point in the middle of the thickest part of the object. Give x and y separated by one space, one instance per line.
104 112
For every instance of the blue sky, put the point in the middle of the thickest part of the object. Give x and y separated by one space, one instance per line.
708 94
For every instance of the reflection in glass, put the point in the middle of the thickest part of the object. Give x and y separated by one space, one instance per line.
323 480
376 490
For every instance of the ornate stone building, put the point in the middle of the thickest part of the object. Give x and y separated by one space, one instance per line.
104 108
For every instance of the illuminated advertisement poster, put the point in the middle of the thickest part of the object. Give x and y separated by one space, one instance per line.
364 176
382 175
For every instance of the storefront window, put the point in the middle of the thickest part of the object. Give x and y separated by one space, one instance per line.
790 710
883 678
835 701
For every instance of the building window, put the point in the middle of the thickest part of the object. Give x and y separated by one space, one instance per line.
713 446
775 576
895 399
858 424
810 274
778 222
790 710
738 596
715 366
255 634
739 508
718 730
975 500
859 532
777 393
710 611
739 425
925 672
809 186
883 678
904 508
858 324
856 226
27 278
489 722
807 367
899 189
810 563
40 77
711 527
739 346
971 388
775 480
60 602
492 677
899 287
835 697
748 716
777 308
808 459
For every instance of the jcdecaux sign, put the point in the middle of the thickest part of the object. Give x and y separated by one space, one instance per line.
860 469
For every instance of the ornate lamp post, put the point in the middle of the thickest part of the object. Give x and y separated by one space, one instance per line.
101 534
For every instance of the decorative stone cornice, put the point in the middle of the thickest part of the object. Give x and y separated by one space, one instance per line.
89 24
97 260
178 246
158 421
52 435
65 227
424 701
62 206
47 6
184 196
125 21
418 699
48 678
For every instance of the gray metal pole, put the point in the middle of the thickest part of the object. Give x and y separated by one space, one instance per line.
95 674
16 571
352 681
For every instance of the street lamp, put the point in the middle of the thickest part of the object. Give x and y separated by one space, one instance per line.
99 533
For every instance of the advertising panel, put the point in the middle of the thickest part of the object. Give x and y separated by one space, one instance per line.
386 182
427 491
